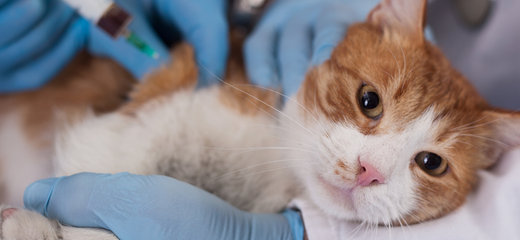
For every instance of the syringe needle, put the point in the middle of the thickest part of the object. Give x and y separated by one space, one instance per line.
140 44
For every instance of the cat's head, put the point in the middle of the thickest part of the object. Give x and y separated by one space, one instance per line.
391 130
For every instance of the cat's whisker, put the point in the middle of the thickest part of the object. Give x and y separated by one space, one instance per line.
468 124
406 78
407 225
316 107
290 140
377 227
373 228
483 124
288 98
328 150
486 138
397 62
286 129
242 91
409 73
424 213
355 230
468 128
421 199
402 226
452 147
279 120
389 226
404 58
276 169
386 73
472 128
380 220
415 217
469 144
366 229
257 165
419 77
252 149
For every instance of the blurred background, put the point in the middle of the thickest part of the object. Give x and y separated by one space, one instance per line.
481 38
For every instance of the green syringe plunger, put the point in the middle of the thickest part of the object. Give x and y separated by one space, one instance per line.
140 44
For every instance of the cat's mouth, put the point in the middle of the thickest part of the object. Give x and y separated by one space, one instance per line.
346 194
346 202
332 187
340 195
351 201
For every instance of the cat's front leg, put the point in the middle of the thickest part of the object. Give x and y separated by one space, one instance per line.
17 224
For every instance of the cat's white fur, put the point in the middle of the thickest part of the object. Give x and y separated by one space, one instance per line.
22 162
192 136
27 225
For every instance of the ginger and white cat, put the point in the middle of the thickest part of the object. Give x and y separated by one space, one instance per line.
384 132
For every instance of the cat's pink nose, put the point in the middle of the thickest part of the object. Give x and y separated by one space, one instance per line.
369 175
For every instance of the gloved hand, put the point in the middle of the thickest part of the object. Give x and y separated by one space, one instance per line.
201 22
296 34
39 37
153 207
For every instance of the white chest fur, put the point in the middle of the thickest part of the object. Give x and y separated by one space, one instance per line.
190 136
21 161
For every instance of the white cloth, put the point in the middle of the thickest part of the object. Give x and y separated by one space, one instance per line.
492 211
489 56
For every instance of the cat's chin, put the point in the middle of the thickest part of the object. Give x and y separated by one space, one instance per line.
335 201
341 202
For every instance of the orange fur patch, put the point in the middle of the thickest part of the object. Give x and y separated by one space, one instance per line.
87 82
237 94
180 74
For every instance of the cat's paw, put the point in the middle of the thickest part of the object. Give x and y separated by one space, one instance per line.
23 224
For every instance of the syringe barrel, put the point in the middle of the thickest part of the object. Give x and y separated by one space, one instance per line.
91 10
104 13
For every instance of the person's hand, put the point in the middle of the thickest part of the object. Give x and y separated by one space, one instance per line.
202 23
153 207
295 35
38 38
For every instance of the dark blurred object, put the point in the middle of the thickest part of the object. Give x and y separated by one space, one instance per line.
488 55
245 13
473 12
114 21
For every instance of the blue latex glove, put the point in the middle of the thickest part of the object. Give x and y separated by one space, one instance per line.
297 34
39 37
201 22
153 207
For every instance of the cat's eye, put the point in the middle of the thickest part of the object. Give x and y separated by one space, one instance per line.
431 163
370 102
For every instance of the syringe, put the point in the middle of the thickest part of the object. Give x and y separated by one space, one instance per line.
112 19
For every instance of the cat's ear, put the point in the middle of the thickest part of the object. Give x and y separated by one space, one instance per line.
403 16
502 131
